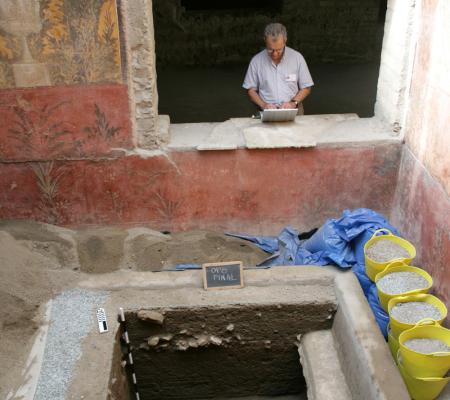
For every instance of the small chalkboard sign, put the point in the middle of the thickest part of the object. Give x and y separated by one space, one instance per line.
224 275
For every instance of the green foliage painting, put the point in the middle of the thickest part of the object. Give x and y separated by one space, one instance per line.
75 41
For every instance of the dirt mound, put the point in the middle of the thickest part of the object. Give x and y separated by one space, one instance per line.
101 250
55 243
197 247
26 282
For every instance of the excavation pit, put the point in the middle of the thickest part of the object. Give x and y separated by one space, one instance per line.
290 330
224 351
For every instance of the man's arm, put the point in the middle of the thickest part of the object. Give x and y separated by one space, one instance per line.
301 95
255 98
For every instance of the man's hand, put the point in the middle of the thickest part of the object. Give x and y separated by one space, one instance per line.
269 106
288 104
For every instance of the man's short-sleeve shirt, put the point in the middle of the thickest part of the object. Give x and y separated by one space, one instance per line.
278 83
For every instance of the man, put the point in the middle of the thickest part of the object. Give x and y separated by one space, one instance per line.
278 76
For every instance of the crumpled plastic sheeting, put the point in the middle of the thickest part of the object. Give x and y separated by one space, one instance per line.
339 241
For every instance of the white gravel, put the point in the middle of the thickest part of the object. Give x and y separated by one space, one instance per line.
386 250
401 282
413 311
73 315
426 346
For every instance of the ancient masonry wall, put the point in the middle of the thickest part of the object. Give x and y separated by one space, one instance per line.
141 72
88 60
324 31
258 191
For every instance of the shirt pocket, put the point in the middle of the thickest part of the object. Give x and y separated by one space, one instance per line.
291 78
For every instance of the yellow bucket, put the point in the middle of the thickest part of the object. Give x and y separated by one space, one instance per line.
373 267
400 266
425 365
421 388
393 343
398 327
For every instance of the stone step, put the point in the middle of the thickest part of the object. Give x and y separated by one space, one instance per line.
321 367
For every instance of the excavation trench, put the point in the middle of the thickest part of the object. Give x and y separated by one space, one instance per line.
224 352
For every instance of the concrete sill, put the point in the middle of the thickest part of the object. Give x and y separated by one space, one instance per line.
328 130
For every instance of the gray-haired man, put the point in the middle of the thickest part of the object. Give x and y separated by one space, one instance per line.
278 76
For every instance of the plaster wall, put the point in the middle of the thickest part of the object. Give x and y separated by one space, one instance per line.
63 122
94 51
53 42
428 120
422 203
396 60
257 191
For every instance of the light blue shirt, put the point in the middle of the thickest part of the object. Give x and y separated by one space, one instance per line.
278 83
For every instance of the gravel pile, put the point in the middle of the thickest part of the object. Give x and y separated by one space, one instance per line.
73 316
413 311
401 282
426 346
386 250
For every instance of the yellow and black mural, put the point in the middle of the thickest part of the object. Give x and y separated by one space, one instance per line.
58 42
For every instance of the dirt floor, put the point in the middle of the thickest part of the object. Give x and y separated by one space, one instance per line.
38 261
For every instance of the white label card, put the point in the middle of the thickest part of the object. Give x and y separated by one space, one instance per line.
101 318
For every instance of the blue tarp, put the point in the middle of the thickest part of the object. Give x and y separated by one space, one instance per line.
339 241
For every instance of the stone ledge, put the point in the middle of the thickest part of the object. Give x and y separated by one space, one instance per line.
328 130
370 371
321 367
288 276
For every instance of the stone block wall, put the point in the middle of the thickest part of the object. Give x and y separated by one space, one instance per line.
324 31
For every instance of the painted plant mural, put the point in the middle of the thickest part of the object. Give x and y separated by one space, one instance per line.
58 42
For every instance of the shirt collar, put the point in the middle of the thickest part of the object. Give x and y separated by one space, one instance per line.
282 57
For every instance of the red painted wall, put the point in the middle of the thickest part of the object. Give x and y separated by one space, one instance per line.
422 202
422 212
49 123
428 120
245 190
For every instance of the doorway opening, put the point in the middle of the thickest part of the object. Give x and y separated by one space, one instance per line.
203 50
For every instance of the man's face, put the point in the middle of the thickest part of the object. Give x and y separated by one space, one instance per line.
275 47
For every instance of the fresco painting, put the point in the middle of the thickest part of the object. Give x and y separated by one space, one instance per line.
59 42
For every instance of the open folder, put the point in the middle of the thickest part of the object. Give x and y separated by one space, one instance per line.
278 114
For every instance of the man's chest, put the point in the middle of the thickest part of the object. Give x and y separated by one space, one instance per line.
281 74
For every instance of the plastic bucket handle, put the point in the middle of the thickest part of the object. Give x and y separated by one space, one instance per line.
399 262
428 321
382 230
432 322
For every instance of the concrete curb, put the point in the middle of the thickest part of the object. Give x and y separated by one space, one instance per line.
370 370
321 367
